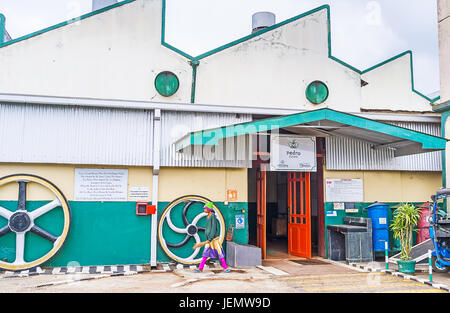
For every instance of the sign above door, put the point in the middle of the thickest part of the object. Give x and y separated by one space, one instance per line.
293 153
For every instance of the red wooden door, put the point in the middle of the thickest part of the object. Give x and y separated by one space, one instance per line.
299 223
261 211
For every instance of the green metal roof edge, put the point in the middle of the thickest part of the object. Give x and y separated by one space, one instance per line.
2 28
223 47
73 20
442 107
212 136
412 72
163 34
260 32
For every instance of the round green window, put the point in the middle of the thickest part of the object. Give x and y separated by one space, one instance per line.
166 83
317 92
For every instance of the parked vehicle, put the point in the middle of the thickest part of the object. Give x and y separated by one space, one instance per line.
440 231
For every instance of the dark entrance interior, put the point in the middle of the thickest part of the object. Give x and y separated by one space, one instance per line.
277 213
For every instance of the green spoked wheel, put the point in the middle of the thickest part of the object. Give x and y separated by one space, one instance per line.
180 228
22 223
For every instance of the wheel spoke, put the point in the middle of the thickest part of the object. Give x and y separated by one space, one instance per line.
183 214
197 218
44 234
20 248
5 230
180 244
21 203
5 213
173 227
44 209
196 251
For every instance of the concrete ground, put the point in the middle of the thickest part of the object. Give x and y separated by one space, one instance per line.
422 272
274 276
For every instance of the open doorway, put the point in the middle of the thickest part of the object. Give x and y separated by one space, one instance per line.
285 213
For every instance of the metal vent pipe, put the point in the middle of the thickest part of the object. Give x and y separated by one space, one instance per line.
261 20
100 4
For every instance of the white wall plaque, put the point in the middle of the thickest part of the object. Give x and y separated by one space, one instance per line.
344 190
139 193
293 153
100 184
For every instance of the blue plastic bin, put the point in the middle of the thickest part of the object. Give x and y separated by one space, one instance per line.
378 213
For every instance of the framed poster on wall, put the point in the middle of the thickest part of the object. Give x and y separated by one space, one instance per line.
344 190
93 184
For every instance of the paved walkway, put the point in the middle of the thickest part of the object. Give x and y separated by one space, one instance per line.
274 276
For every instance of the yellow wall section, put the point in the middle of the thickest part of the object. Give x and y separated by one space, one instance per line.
394 186
63 177
211 183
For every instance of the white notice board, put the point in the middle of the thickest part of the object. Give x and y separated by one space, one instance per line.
100 184
344 190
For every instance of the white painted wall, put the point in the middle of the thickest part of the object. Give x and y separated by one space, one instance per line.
274 69
390 88
444 48
444 69
115 54
118 53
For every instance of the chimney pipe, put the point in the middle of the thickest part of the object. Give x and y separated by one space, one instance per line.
261 20
100 4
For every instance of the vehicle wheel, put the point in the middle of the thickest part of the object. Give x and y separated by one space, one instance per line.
438 268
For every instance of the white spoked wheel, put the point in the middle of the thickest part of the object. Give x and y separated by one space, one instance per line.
190 229
21 221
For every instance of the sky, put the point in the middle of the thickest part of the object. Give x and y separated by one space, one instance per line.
364 32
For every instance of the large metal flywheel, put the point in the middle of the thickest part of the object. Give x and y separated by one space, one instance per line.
21 221
180 228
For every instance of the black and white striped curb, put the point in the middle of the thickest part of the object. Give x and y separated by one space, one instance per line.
112 269
101 270
402 275
170 267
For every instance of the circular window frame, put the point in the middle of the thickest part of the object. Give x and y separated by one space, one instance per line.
321 83
167 73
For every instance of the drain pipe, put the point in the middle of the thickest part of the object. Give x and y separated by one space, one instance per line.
156 163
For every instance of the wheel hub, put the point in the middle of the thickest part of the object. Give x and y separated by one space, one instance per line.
19 222
192 230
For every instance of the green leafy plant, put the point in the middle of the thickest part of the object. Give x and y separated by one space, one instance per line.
405 219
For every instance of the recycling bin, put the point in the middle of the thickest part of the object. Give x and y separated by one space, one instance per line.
378 213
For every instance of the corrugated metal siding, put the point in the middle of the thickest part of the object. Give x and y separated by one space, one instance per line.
74 135
175 125
350 154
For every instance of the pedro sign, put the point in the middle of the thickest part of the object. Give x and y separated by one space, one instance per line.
293 153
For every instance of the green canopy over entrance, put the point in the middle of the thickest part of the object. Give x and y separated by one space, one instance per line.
330 122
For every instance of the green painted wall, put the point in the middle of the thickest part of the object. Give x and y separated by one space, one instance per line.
362 212
104 233
228 211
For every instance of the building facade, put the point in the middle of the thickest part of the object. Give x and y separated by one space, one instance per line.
100 114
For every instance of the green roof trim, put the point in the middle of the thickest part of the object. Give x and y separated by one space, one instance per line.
297 17
2 28
73 20
218 49
212 136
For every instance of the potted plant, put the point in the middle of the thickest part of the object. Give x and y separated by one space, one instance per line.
404 221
